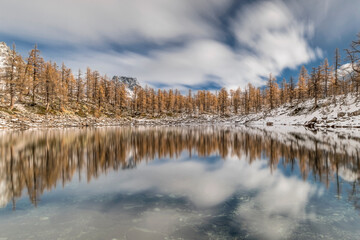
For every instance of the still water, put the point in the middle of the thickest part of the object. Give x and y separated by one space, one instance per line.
179 183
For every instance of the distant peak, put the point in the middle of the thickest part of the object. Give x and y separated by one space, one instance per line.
4 48
3 45
130 82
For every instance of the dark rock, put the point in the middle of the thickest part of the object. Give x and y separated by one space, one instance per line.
355 113
314 120
269 124
311 123
296 111
341 114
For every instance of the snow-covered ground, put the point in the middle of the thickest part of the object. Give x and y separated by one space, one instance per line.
4 51
342 111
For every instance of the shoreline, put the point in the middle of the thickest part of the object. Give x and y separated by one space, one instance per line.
68 121
342 113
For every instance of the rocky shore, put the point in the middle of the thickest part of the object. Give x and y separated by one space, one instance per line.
342 112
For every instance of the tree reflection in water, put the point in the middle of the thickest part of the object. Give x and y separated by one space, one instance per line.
39 160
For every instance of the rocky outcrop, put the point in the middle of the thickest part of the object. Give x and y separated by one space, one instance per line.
4 52
130 82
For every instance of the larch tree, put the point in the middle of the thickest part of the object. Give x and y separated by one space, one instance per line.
245 100
337 61
149 99
316 76
251 97
272 91
79 88
11 78
326 76
95 86
123 98
283 92
291 90
189 102
63 85
22 79
34 66
50 83
236 99
170 101
155 103
100 95
223 101
353 54
302 81
88 84
160 101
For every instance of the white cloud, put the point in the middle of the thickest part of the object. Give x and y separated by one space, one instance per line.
333 19
121 21
269 40
272 32
276 206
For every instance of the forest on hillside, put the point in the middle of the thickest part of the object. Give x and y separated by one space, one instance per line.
56 89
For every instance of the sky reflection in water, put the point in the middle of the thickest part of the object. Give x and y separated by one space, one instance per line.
191 183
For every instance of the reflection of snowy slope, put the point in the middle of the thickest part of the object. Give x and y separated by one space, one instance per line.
348 175
342 141
346 141
4 190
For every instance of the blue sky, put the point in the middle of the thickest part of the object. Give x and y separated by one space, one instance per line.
183 43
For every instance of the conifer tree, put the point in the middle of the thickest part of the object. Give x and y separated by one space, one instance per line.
35 64
303 80
189 103
11 78
316 77
123 98
354 54
291 90
236 100
283 92
326 76
336 72
50 83
89 80
272 91
79 88
223 101
155 103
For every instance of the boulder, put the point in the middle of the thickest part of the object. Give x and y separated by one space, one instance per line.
314 120
311 123
269 124
355 113
341 114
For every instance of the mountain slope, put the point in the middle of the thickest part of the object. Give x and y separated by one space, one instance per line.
342 111
4 53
